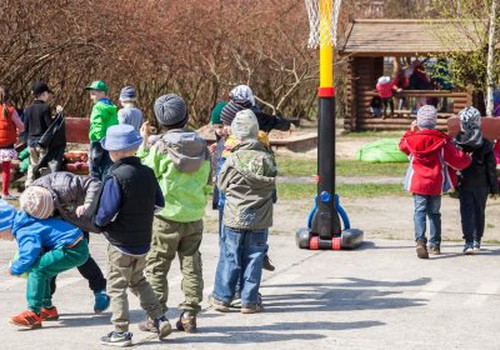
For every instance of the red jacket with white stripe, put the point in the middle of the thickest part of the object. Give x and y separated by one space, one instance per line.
434 160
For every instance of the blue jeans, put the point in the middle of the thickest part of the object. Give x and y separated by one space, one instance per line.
100 162
428 206
472 208
241 258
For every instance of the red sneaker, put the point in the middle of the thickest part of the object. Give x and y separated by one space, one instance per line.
50 314
27 319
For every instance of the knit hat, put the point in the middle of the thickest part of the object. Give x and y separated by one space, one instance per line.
229 112
427 117
242 94
470 122
120 138
215 116
127 94
170 111
37 202
384 80
98 85
245 125
7 214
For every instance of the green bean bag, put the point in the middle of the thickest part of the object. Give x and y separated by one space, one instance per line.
382 151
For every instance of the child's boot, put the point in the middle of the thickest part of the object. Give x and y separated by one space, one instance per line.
28 319
164 327
49 314
469 248
434 250
119 339
267 264
187 323
102 301
477 244
422 252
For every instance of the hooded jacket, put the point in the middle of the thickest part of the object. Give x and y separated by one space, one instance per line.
102 116
69 192
181 163
432 154
34 236
248 179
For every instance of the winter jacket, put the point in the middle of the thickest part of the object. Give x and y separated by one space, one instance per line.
267 122
181 163
131 116
35 236
37 119
432 154
102 116
482 170
385 90
69 192
8 130
247 179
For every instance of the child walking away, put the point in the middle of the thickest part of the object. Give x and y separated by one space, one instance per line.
37 119
10 127
384 88
431 154
180 160
72 196
247 179
477 180
47 247
130 114
102 116
125 212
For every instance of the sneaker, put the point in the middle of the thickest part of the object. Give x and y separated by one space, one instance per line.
477 245
102 301
9 197
217 304
163 326
148 326
235 304
119 339
268 265
27 319
468 249
49 314
251 309
187 323
433 250
422 250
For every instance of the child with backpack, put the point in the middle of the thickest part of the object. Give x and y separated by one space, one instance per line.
432 153
477 181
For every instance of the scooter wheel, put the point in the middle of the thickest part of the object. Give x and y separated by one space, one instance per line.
302 238
314 243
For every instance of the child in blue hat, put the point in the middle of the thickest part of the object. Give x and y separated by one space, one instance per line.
125 212
46 248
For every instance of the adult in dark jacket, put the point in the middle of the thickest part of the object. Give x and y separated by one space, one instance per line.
476 181
73 195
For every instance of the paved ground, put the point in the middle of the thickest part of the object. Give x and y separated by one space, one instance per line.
378 297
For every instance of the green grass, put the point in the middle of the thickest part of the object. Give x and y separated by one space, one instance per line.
375 134
308 191
307 167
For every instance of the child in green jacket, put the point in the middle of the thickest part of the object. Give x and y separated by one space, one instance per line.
180 160
103 115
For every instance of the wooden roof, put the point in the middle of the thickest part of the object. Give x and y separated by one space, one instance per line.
391 37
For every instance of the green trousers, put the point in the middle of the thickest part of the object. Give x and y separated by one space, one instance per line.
126 271
171 238
52 263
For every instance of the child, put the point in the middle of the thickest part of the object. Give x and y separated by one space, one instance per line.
384 88
431 152
47 247
217 147
72 196
477 180
376 107
37 119
180 160
10 127
248 180
102 116
130 114
125 212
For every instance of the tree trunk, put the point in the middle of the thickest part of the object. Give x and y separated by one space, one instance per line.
491 60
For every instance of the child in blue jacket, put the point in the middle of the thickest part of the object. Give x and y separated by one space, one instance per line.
47 247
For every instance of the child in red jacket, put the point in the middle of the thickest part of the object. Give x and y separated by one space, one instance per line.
432 154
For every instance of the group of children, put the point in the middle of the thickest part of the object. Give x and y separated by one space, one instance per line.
440 164
147 196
